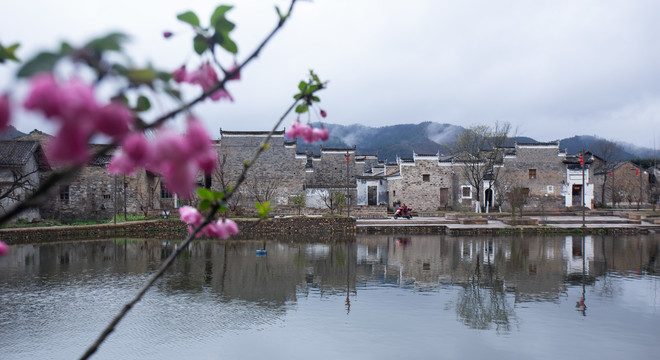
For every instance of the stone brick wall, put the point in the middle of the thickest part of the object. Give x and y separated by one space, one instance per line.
91 196
277 171
289 229
545 188
413 189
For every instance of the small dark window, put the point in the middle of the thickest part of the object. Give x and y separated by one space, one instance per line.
164 194
467 191
393 193
525 192
106 196
426 177
207 181
532 173
64 193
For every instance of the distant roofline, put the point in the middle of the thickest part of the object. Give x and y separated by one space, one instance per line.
251 133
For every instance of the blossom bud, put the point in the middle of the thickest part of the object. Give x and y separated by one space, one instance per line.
167 34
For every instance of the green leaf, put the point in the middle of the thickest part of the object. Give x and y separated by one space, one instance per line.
8 53
143 104
226 43
110 42
142 76
316 98
302 108
263 208
189 17
43 62
297 96
205 194
219 16
200 44
218 195
302 85
204 205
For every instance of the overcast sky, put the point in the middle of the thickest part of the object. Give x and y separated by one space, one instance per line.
553 69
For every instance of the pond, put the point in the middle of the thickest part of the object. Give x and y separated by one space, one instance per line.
380 297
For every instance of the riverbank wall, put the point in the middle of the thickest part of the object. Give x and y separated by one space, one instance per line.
294 229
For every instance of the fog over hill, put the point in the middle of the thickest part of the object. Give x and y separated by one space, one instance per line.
402 140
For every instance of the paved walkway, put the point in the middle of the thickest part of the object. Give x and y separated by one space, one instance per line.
560 222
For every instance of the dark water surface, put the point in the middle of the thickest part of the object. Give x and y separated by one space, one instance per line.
382 297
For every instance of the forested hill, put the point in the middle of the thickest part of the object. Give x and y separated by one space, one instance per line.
430 138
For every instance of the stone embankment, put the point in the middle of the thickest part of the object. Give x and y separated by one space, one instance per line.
336 229
319 229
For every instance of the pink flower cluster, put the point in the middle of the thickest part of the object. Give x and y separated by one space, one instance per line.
73 105
307 133
5 115
223 228
206 77
178 158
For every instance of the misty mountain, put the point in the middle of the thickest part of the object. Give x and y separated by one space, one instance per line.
402 140
10 133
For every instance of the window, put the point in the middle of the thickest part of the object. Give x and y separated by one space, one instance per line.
106 196
550 189
393 193
466 191
525 192
64 194
426 177
164 194
208 181
532 173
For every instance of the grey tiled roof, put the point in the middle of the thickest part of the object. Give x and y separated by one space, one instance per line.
16 153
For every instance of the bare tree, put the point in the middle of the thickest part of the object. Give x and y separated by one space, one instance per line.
262 188
334 200
479 149
16 186
609 152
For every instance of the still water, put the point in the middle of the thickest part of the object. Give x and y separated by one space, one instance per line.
381 297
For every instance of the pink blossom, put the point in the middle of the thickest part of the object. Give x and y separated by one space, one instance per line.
207 161
321 134
4 249
68 103
114 120
137 148
198 140
171 147
179 177
121 163
221 94
323 113
307 133
44 95
167 34
70 145
180 75
230 225
77 101
5 114
206 77
190 215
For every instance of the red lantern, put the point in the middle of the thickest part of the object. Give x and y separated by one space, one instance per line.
346 156
611 174
636 171
581 161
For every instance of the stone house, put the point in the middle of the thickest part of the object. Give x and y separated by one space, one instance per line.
539 169
427 182
21 163
625 184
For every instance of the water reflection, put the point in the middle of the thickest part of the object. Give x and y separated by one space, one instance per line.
487 283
